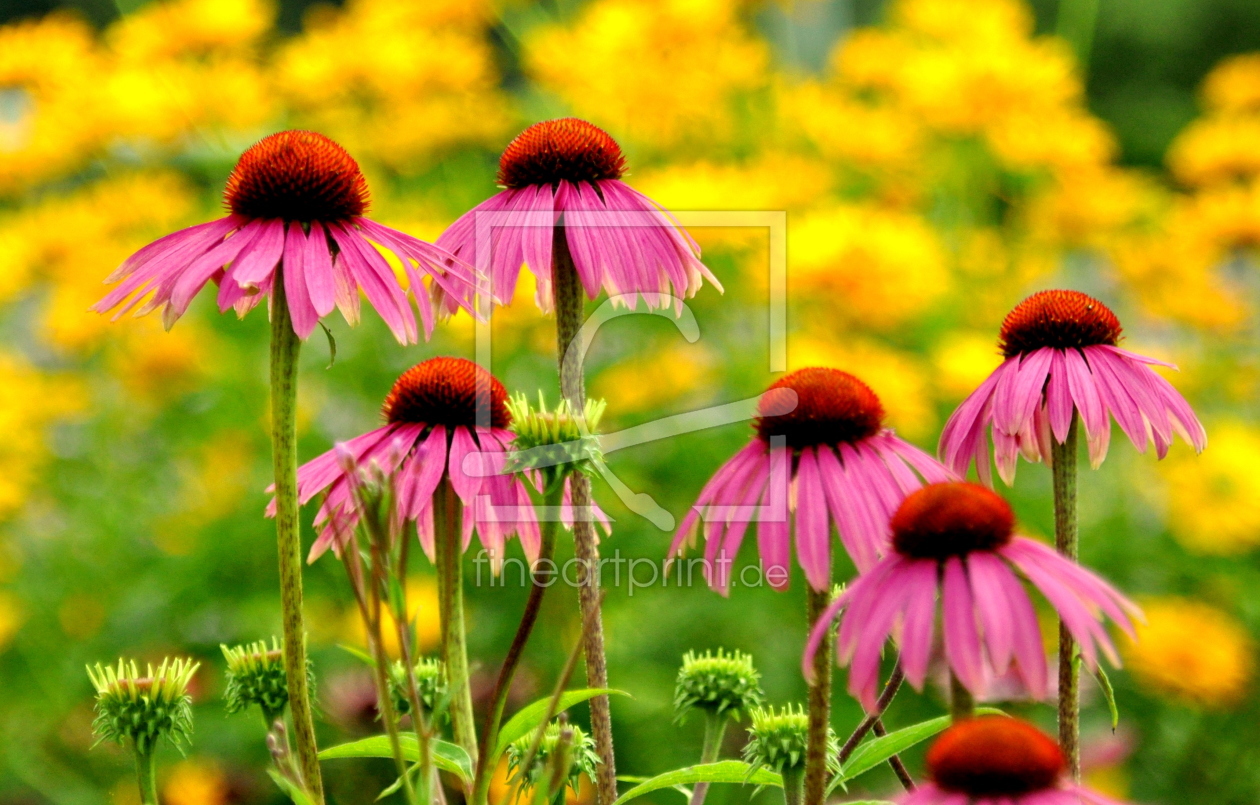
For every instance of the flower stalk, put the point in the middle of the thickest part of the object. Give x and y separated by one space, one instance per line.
1066 541
714 732
449 554
569 314
816 751
146 776
285 346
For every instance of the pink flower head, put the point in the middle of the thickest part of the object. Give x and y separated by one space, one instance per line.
446 418
297 202
958 538
821 451
565 176
996 760
1062 358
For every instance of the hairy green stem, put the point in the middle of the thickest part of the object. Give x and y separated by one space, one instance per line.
1063 465
793 779
569 312
448 547
540 580
816 601
146 776
962 705
284 353
714 731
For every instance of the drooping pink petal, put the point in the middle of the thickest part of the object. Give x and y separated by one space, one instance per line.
920 619
962 641
293 271
813 531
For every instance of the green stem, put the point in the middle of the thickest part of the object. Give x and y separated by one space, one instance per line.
498 700
385 703
816 601
569 312
962 705
146 776
448 547
284 352
793 780
714 731
1063 465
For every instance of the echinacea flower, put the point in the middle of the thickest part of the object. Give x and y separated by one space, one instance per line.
439 413
1062 358
565 176
143 708
997 760
957 538
821 450
297 202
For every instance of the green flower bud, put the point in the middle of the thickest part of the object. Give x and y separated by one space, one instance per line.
143 708
779 739
256 676
556 441
722 684
577 746
430 684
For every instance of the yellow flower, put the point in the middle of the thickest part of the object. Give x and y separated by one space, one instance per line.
195 782
658 381
1216 150
659 72
876 267
966 22
1214 498
1234 84
191 27
962 362
1176 278
852 131
30 401
1191 652
422 607
1090 205
1227 216
899 378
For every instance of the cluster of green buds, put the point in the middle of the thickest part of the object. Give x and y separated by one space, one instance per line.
778 740
144 708
555 442
256 676
563 754
723 684
430 684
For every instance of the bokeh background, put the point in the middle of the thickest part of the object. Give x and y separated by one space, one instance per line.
937 159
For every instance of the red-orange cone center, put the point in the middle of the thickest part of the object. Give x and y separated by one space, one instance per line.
831 407
994 756
1058 319
447 391
951 519
567 149
297 176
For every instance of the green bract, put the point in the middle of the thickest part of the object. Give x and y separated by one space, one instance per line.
721 683
579 747
778 740
143 708
554 441
255 676
430 684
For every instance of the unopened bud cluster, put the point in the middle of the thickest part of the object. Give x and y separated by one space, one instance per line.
555 440
777 740
256 676
143 708
561 743
430 685
725 684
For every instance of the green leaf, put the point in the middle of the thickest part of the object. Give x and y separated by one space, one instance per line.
359 653
724 771
1109 694
332 346
872 753
291 790
528 718
446 756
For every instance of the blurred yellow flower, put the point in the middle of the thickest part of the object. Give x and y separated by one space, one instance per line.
211 485
660 380
195 782
1191 652
191 27
1234 84
422 607
1176 278
30 401
157 365
12 614
659 72
963 361
1216 150
1214 498
873 266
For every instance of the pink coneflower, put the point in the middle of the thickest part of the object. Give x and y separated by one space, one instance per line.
568 172
431 429
995 760
958 537
297 200
1061 357
820 450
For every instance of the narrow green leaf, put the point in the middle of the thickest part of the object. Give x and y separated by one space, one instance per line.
291 790
1109 693
529 717
446 756
332 346
724 771
872 753
358 653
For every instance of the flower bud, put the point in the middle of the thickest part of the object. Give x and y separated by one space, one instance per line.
556 441
722 684
143 708
557 739
256 676
778 740
430 684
